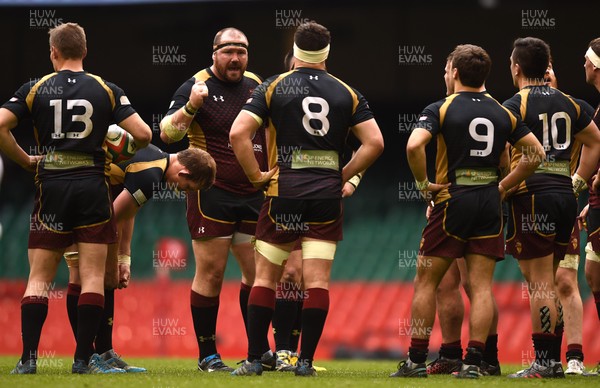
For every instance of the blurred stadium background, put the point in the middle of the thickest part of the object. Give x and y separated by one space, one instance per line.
393 53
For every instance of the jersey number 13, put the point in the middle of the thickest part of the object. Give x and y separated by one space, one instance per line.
85 118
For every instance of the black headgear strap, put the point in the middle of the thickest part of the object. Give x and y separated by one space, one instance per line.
220 46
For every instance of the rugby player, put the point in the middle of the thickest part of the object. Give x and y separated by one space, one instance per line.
134 182
467 183
224 217
570 317
592 211
71 111
287 317
544 207
307 132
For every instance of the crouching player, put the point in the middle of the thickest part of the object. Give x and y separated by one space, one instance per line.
134 182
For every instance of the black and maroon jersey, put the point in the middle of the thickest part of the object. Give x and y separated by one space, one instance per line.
554 118
143 174
594 199
210 128
309 113
576 150
71 112
471 129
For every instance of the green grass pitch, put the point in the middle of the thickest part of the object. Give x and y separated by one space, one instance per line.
168 372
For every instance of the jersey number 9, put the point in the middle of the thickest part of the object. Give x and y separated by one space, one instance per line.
487 137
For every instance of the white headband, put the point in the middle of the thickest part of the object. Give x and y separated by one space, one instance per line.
593 57
311 56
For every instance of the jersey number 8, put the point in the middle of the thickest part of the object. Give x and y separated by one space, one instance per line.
320 116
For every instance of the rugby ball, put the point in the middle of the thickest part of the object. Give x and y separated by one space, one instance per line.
120 145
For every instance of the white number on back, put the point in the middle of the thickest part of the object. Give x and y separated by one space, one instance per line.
487 137
320 116
84 118
554 131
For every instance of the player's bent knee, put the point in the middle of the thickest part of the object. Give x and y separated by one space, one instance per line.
315 249
565 288
290 275
272 253
212 278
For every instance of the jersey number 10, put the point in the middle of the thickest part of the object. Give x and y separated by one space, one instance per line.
488 136
554 131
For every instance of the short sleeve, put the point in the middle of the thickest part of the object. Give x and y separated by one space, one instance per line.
142 184
584 119
18 102
257 103
123 108
513 104
521 130
429 119
181 96
363 111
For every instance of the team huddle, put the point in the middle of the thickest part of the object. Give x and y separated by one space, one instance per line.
265 177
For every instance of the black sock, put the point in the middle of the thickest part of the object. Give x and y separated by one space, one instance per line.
418 349
474 353
490 354
104 336
558 332
452 350
296 327
244 295
543 344
261 305
34 310
89 313
204 314
575 351
314 313
73 292
283 317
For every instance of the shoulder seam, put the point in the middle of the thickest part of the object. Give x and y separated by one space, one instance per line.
108 90
33 90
